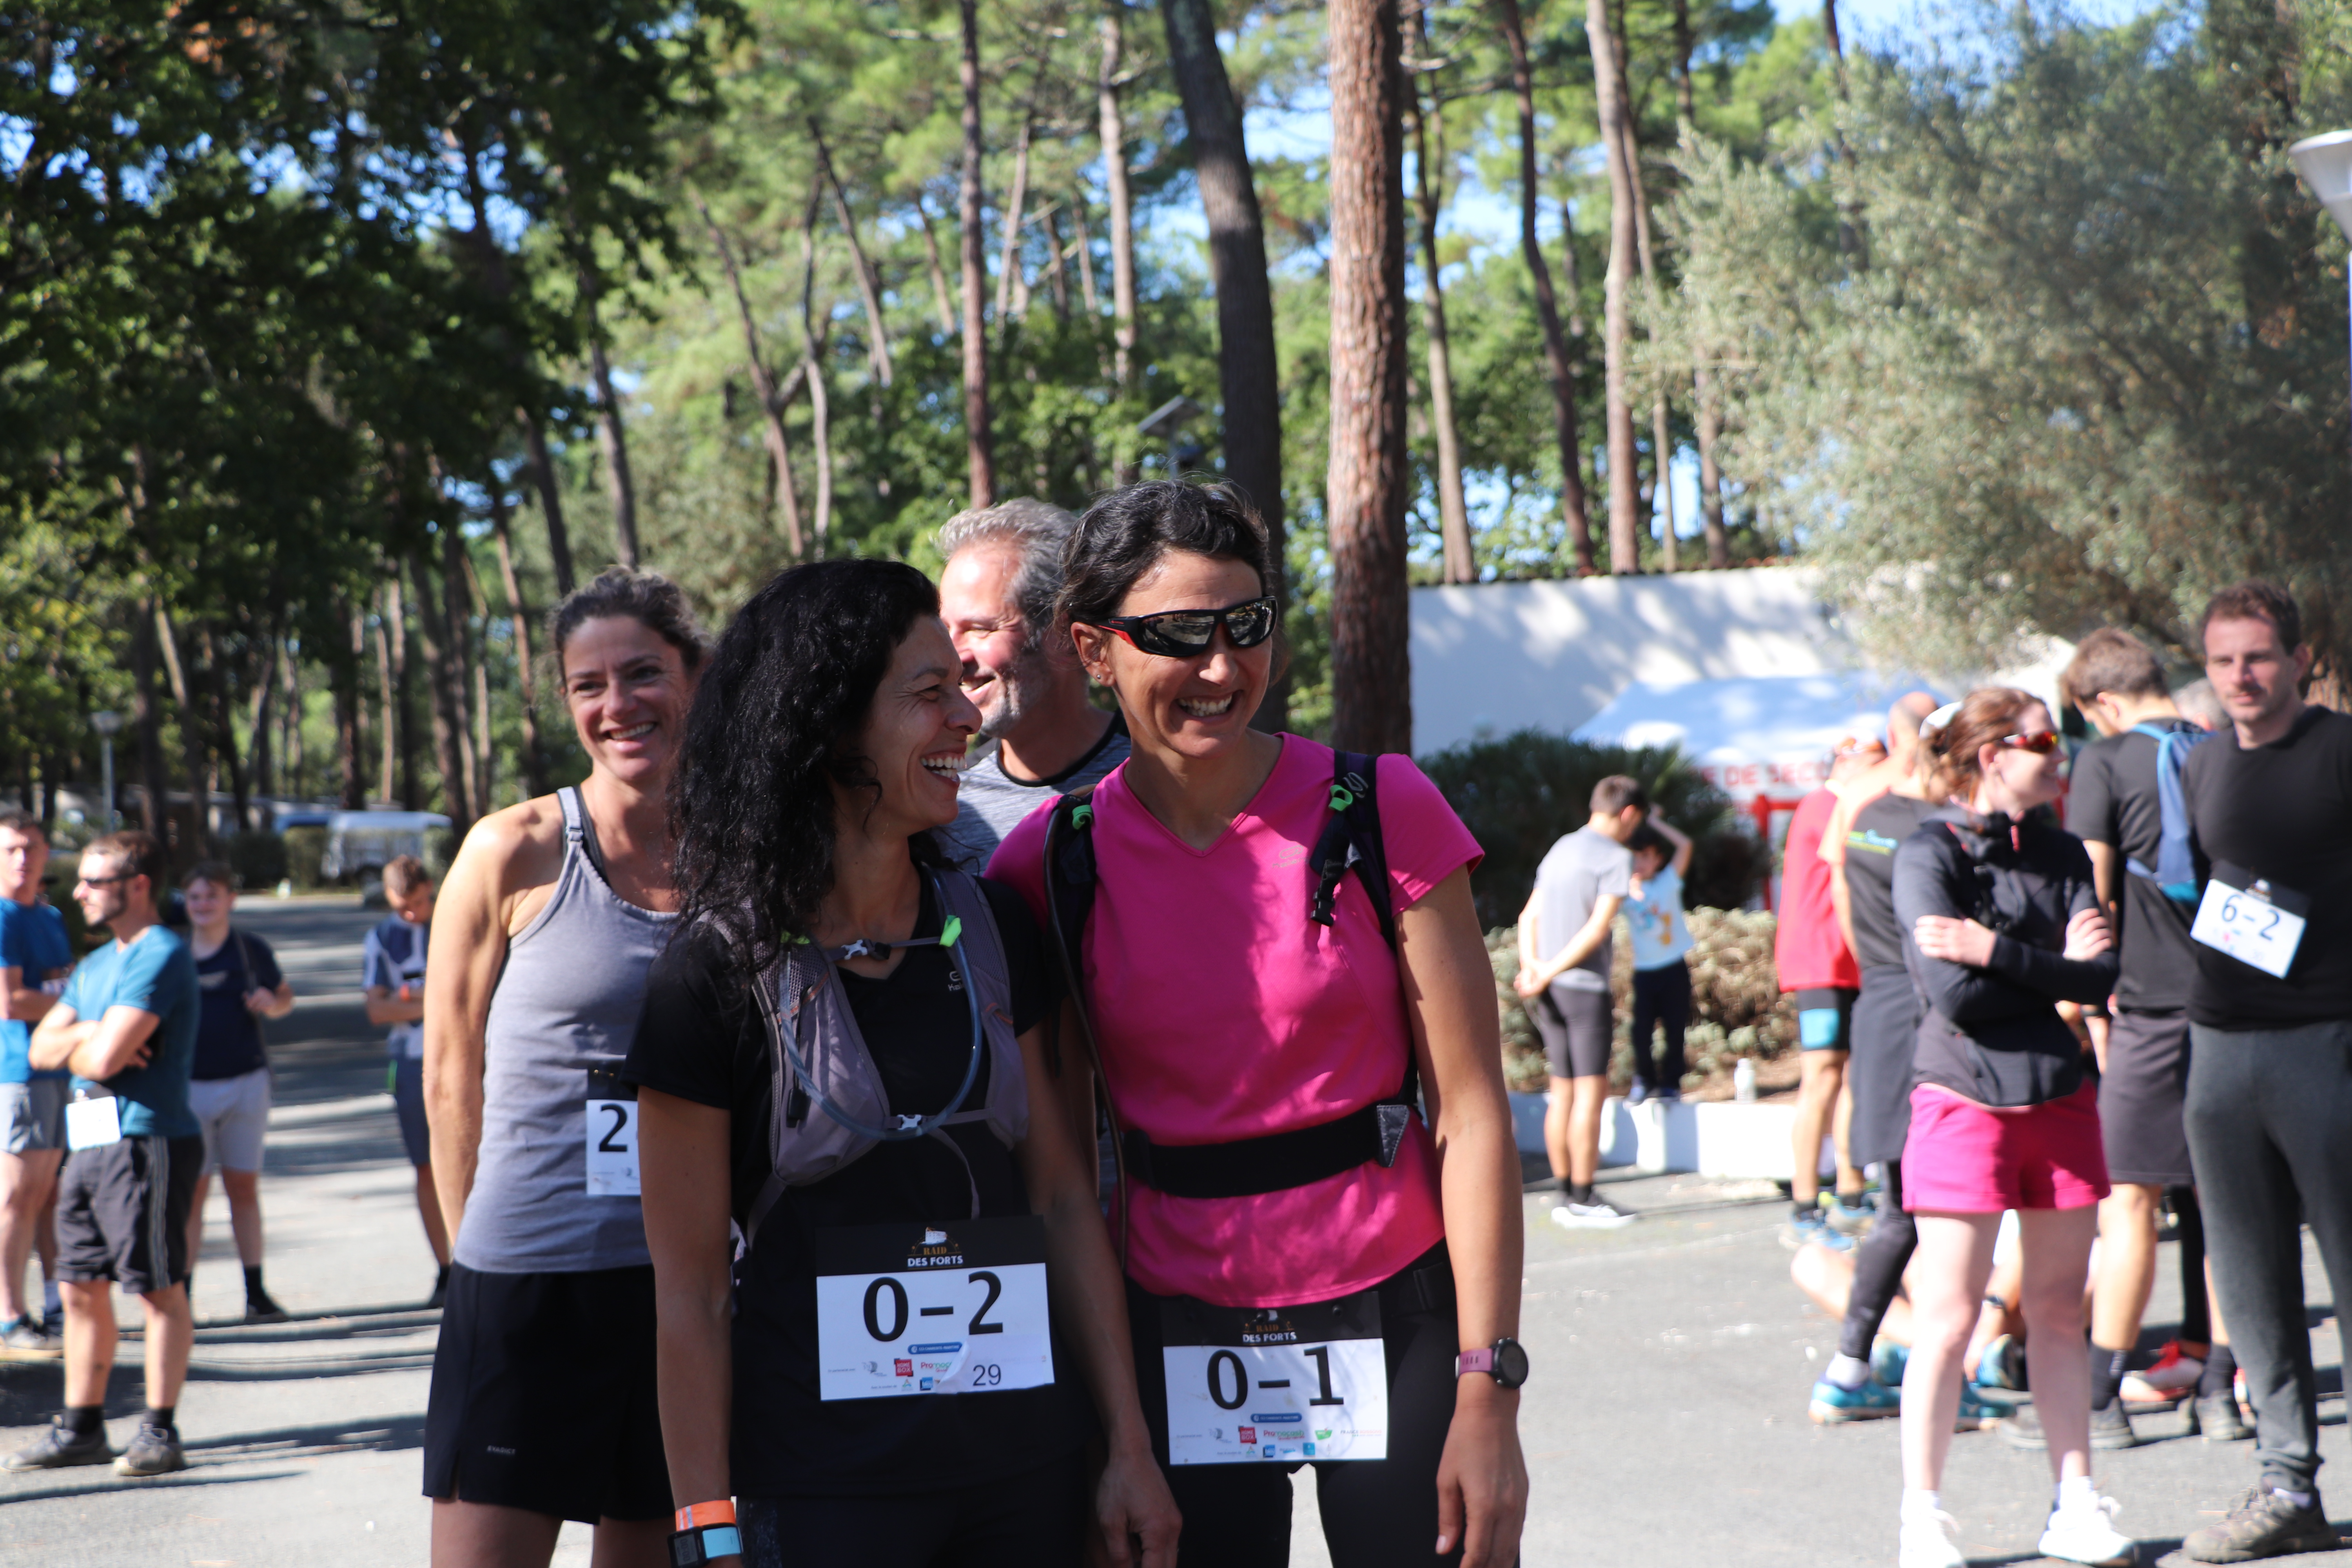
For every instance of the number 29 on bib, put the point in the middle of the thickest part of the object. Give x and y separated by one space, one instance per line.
1282 1384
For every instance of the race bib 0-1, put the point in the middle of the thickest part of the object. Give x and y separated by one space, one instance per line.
93 1123
1280 1383
914 1309
2251 919
612 1149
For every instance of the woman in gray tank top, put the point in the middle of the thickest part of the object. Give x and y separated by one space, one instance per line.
542 1406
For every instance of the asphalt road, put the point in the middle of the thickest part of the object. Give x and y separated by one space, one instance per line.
1664 1422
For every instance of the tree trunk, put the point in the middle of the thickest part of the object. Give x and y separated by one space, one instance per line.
870 283
534 761
1574 508
477 648
773 400
1703 404
1008 266
1058 275
148 702
1428 150
399 731
1624 482
448 728
1367 486
1660 412
290 744
344 679
551 503
1249 380
1112 127
259 717
980 451
224 724
611 438
456 617
813 371
941 299
194 753
1084 245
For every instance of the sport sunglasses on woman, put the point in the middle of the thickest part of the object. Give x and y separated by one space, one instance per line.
1187 634
2041 743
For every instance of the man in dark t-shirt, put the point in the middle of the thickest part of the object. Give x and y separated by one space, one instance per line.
2270 1012
2113 805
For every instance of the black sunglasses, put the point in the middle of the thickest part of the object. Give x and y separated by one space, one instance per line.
1187 634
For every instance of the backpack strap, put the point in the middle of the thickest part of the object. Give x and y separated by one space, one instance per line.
1069 902
1352 837
253 979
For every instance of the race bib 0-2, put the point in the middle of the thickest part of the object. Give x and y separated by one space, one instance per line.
1280 1383
2251 919
914 1309
93 1123
612 1149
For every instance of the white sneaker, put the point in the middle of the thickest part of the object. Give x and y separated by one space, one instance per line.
1598 1215
2085 1533
1927 1542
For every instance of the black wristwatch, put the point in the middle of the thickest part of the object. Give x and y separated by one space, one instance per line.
1506 1360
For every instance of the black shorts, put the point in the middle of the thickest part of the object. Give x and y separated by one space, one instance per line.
1885 1036
543 1395
123 1211
1039 1518
1826 1018
2140 1096
1579 1027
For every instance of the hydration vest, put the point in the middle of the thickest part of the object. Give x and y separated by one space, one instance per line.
2175 872
1246 1166
821 1064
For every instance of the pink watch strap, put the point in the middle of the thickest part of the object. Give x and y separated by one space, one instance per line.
1480 1360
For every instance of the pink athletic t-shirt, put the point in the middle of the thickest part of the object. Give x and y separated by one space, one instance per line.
1224 1013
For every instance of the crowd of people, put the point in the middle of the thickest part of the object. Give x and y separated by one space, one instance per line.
897 1108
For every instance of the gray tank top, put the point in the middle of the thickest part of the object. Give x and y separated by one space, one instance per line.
568 1001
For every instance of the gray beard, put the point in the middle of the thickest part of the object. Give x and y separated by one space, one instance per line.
1012 701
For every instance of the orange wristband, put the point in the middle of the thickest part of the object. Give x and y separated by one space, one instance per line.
695 1515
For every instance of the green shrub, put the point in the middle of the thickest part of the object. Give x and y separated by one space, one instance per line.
1737 1008
259 859
58 885
1521 795
305 847
440 848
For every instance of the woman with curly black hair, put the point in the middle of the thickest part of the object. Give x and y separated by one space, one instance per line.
836 1056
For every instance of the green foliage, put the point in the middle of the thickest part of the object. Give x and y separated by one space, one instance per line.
259 858
305 849
1521 795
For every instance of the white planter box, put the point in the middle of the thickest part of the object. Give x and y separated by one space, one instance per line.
1715 1138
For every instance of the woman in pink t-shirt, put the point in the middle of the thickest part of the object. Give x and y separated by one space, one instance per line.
1307 1285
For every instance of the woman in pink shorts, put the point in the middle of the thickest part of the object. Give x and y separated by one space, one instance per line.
2005 924
1281 976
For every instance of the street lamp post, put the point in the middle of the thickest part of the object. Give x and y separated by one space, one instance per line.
2325 165
107 726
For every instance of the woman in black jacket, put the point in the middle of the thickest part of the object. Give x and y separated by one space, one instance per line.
2005 924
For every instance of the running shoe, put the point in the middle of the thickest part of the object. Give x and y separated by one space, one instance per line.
2170 1380
1926 1542
1598 1215
2217 1416
1833 1406
1636 1092
1978 1413
1849 1219
2083 1531
28 1339
1888 1361
1810 1229
1670 1095
2111 1428
259 1307
155 1452
2263 1523
2002 1364
57 1448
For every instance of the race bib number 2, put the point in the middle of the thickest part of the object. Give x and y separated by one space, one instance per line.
1282 1384
2251 920
916 1310
612 1149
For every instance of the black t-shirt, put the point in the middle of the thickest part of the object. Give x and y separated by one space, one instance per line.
229 1036
1872 834
2111 799
2280 811
702 1039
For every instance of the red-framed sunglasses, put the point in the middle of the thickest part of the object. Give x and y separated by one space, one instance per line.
1187 634
2041 743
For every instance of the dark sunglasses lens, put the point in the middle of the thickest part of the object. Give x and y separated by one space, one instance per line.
1180 635
1251 623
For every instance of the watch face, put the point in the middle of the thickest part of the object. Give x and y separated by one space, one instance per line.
1510 1363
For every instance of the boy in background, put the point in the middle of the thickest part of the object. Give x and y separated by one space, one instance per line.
393 974
1660 937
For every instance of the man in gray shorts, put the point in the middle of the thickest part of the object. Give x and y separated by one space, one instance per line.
34 960
1564 954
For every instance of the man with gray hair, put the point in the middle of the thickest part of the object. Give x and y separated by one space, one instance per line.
1039 735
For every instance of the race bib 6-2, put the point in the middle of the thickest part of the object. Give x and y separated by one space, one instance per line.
1279 1383
914 1309
2251 920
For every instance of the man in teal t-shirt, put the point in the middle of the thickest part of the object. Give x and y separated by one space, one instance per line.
127 1026
35 959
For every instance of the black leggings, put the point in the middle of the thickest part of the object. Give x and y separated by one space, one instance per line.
1878 1266
1375 1512
1661 998
2196 1312
1038 1519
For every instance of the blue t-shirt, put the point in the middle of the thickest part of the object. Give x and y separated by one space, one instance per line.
33 939
156 974
228 1036
1661 934
393 956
